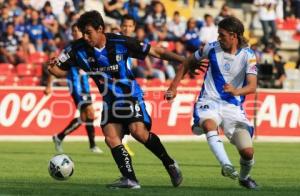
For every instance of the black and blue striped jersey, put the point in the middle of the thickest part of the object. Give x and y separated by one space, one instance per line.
107 66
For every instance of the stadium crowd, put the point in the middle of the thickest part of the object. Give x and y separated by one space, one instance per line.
32 31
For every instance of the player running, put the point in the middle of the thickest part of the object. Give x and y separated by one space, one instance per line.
231 75
104 56
80 92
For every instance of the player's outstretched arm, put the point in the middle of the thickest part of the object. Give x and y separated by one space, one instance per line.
48 89
54 69
183 69
164 54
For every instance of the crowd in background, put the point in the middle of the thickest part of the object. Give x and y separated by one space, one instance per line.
34 26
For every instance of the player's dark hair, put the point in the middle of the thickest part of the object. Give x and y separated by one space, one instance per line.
92 18
128 17
234 25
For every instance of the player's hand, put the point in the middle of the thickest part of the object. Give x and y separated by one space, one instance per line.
170 94
52 62
229 88
47 91
201 66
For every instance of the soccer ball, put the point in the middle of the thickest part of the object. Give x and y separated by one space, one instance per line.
61 167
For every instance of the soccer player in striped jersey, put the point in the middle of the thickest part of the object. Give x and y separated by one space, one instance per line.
231 75
104 56
80 92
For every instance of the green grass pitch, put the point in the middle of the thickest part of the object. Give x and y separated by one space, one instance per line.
23 170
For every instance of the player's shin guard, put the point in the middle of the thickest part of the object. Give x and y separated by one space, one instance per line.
74 124
123 160
155 146
91 132
217 147
246 166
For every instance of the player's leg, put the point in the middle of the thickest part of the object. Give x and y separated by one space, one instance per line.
58 138
152 142
113 138
241 138
87 115
75 92
206 117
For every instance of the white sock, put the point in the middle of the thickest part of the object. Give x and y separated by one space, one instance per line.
246 166
217 147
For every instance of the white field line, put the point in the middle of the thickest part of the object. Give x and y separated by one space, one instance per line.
167 138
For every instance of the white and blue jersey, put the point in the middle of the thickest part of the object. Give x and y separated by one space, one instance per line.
226 68
213 103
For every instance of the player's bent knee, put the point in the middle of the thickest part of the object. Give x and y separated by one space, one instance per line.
209 125
247 153
112 141
139 132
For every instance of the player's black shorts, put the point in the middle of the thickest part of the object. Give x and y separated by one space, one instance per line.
125 112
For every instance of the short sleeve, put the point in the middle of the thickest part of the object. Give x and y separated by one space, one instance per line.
202 53
65 59
137 49
251 62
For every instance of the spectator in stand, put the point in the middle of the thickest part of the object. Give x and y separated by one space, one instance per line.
133 9
27 14
9 44
5 18
271 58
14 8
142 68
209 32
161 68
180 50
191 36
25 49
39 35
157 22
63 16
225 12
176 27
20 26
267 17
114 8
49 20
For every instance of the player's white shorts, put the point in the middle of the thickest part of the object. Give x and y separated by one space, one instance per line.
226 115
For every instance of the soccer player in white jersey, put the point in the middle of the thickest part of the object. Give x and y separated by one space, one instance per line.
231 75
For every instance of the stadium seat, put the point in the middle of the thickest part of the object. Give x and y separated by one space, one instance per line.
24 69
12 80
29 81
39 70
38 58
6 69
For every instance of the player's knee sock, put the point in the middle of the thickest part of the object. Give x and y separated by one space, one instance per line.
91 132
155 146
123 160
217 147
246 166
74 124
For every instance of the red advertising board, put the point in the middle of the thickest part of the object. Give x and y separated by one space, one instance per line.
27 111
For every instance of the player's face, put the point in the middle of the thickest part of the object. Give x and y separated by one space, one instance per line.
128 27
76 33
225 38
93 36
